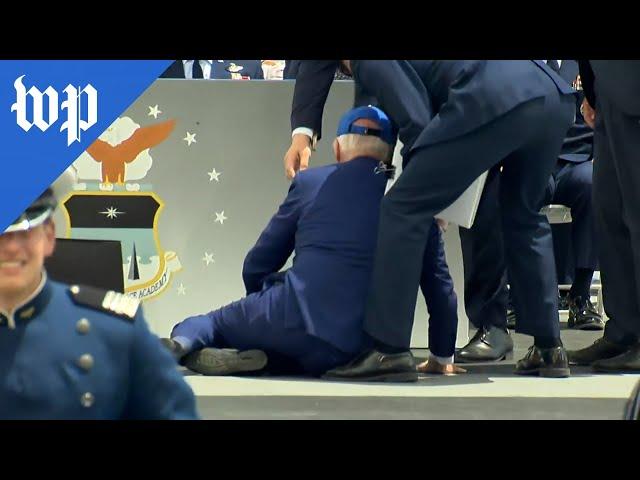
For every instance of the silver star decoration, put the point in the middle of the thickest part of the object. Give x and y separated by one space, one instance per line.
220 217
190 138
154 111
112 212
208 258
181 289
213 175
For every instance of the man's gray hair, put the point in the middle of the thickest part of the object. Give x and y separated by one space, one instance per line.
352 145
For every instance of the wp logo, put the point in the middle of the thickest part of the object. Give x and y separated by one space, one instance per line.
81 105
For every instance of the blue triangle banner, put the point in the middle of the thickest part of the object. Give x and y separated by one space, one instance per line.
51 111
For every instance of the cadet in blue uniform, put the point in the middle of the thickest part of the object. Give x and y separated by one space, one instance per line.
75 352
310 317
215 69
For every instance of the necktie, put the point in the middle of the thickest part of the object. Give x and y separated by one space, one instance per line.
553 64
197 70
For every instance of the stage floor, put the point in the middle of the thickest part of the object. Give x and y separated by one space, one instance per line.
488 391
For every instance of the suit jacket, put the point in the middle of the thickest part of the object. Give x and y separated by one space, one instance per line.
433 101
618 80
313 82
508 83
330 220
70 357
221 70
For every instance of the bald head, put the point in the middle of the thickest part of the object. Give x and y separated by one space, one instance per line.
349 146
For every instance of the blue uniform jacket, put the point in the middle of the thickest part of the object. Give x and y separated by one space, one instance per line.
330 220
69 360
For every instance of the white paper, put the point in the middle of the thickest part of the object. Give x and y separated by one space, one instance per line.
461 212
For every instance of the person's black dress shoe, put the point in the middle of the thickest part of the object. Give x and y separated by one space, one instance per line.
375 366
628 362
544 362
601 349
487 345
584 316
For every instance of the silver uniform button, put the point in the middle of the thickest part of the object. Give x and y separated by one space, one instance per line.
86 362
87 399
75 289
83 326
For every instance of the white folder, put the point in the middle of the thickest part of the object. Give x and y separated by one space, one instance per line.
462 212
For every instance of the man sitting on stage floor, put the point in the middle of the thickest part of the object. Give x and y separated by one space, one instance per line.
308 319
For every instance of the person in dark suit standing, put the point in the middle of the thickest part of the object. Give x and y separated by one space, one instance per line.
612 90
313 82
450 136
486 292
310 317
215 70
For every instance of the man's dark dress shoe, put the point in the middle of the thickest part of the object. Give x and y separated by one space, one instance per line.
628 362
375 366
487 345
544 362
583 315
601 349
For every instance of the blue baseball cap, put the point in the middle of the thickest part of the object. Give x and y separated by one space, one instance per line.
386 133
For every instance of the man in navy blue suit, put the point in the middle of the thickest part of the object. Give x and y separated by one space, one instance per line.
456 119
486 293
612 89
309 318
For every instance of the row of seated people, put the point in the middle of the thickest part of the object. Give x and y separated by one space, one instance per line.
236 70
